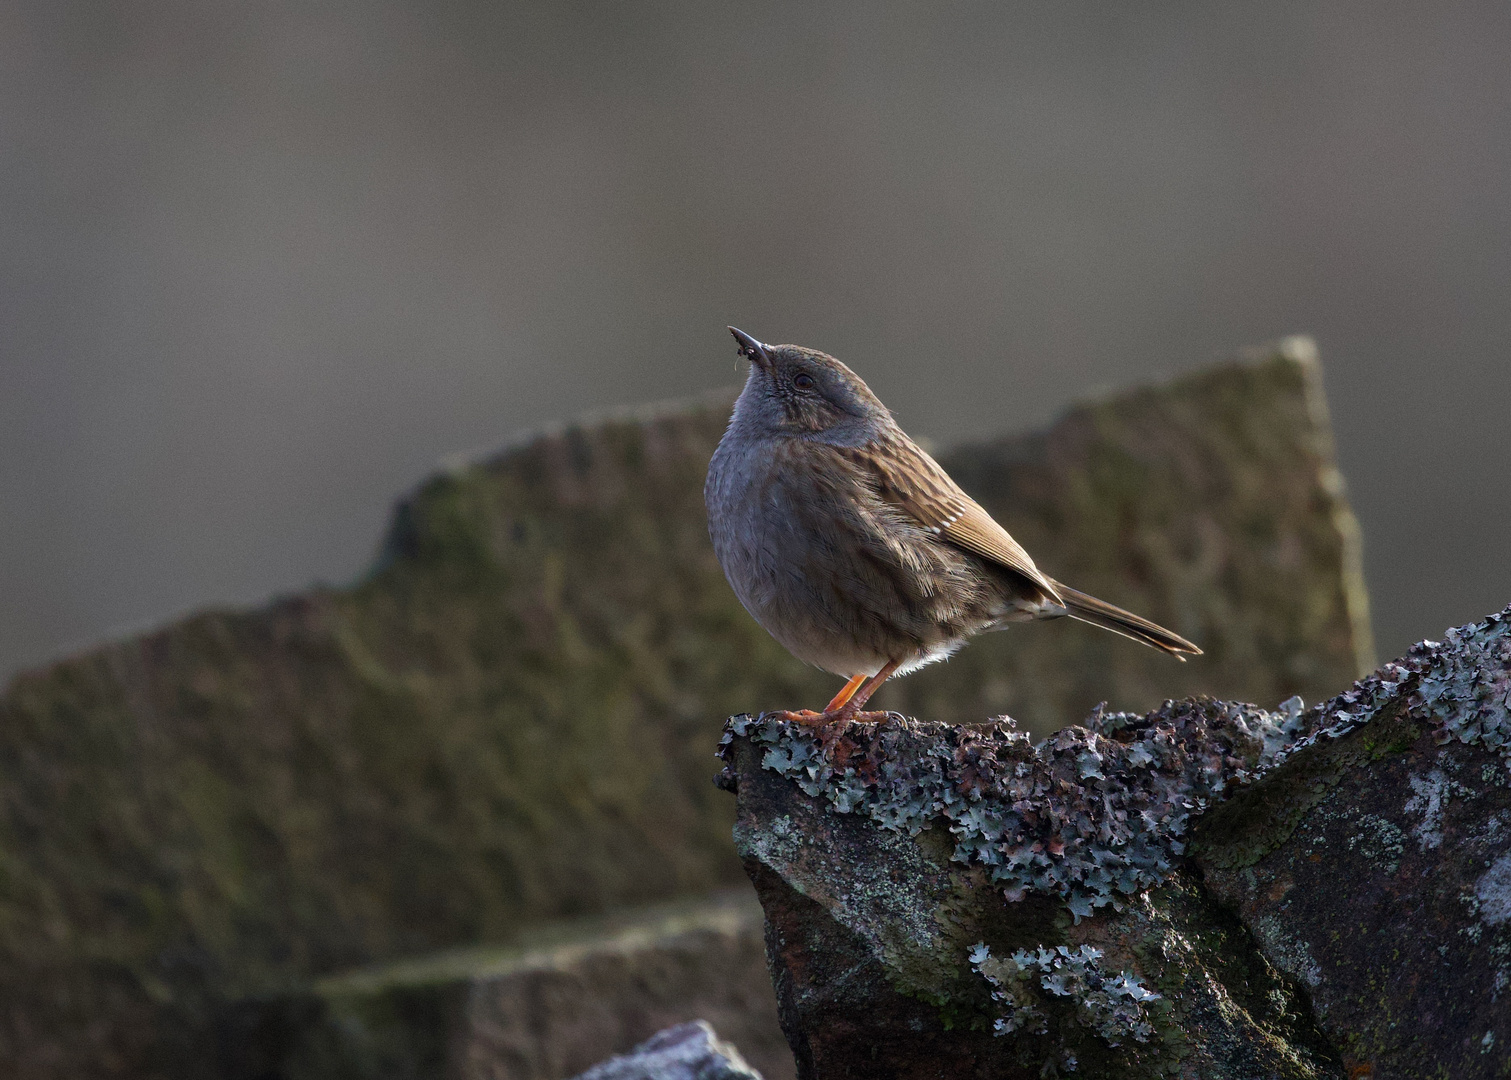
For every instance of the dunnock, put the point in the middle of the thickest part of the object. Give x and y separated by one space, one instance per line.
851 545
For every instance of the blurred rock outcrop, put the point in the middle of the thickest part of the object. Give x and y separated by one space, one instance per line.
569 996
506 722
1208 890
1211 505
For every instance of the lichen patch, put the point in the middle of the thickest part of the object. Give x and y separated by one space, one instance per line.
1493 890
1463 683
1097 813
1114 1006
1092 814
1428 795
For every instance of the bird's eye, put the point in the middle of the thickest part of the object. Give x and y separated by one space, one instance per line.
803 381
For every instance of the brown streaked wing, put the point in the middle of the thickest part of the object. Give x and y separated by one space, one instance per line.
917 484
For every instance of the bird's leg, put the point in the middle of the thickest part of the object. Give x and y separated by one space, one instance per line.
832 723
861 696
841 698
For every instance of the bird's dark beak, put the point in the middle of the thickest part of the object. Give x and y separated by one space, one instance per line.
752 348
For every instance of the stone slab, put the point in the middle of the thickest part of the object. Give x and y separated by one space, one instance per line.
573 994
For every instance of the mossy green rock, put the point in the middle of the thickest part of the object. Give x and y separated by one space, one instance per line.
1212 506
510 719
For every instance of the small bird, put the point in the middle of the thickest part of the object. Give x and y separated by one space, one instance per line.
854 548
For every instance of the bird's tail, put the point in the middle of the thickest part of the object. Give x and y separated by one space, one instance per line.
1100 613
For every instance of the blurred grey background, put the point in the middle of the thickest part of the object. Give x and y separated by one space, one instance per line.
263 265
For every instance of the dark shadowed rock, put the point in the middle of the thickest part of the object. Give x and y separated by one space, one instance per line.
957 901
1374 865
685 1052
570 995
506 722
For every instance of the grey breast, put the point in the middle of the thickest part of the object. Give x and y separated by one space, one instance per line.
757 537
839 577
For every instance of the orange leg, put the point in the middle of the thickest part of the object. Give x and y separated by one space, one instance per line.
846 694
872 685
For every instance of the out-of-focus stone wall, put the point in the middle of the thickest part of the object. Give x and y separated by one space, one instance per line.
510 720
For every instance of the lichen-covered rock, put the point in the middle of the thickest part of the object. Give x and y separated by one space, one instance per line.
956 902
975 904
685 1052
1092 815
506 722
1374 865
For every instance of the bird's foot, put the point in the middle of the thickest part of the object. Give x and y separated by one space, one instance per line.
872 717
830 727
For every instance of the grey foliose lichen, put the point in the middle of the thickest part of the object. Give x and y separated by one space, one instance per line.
1111 1005
1091 814
1463 683
1466 686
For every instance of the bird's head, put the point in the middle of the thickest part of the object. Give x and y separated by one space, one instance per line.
796 391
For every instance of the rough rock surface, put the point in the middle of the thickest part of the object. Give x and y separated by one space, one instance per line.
506 722
1209 890
957 902
685 1052
570 996
1374 865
